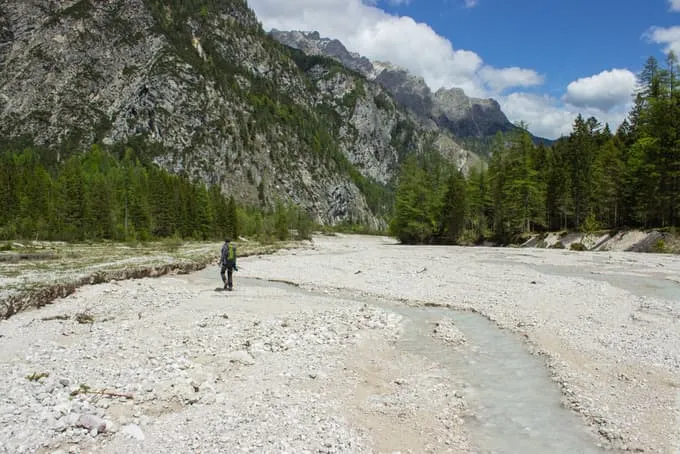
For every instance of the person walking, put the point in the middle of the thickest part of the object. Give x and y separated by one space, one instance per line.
228 264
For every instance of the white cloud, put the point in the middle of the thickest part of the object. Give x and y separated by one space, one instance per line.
670 36
390 2
548 117
675 5
501 79
473 3
372 32
603 91
542 113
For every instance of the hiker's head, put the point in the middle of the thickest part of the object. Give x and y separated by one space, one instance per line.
227 240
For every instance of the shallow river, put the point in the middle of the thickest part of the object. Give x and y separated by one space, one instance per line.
516 405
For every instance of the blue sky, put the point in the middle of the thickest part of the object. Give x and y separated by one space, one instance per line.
565 40
545 61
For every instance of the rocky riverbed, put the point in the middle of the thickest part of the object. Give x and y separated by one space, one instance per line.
172 364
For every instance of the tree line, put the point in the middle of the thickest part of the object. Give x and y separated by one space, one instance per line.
593 178
104 195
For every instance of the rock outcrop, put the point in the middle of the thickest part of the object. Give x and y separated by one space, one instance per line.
449 109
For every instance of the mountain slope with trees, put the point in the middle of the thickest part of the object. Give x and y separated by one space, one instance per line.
197 88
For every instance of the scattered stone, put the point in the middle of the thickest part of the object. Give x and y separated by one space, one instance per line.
269 406
241 357
446 331
92 423
134 432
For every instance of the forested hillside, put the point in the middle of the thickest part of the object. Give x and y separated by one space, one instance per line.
117 194
594 178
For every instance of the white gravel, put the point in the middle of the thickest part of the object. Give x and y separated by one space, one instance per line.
264 369
616 354
260 369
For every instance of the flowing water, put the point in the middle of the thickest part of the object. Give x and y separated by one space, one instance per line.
640 285
516 406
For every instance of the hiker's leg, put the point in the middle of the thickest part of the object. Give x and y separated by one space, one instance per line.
224 279
230 272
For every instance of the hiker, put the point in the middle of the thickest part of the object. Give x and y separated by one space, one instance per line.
228 263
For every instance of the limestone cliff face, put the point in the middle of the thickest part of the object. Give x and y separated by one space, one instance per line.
204 83
213 96
373 131
451 110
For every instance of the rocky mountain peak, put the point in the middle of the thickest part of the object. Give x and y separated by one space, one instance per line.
450 109
311 43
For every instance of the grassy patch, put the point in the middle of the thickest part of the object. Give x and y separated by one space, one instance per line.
88 262
37 376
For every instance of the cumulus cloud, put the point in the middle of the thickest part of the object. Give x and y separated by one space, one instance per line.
473 3
675 5
548 117
670 37
501 79
541 112
602 91
372 32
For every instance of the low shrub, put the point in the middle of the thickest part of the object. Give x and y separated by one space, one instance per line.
580 247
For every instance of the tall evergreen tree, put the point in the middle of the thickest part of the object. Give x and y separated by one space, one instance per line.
412 223
454 209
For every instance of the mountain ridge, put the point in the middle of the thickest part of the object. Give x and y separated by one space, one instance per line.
450 109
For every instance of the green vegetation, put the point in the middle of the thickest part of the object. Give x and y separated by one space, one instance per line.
35 376
382 101
286 221
102 195
591 180
430 201
98 196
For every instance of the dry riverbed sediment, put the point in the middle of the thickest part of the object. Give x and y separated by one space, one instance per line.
173 365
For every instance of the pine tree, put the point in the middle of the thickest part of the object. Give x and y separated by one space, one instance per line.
479 203
582 152
454 209
412 223
609 175
233 220
72 201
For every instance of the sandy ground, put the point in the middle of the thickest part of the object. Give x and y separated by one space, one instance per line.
266 369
